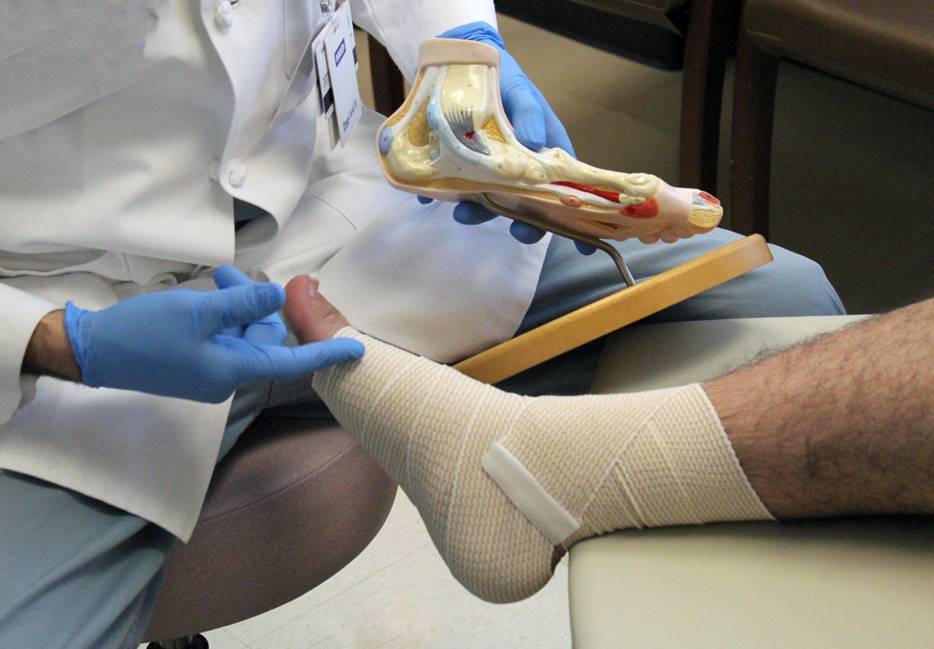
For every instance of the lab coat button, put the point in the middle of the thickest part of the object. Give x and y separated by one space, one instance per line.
236 173
223 15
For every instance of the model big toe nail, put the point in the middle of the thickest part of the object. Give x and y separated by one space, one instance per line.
505 484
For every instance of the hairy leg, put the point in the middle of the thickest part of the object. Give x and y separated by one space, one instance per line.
841 425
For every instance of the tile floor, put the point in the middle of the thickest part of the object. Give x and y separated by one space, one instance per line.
399 595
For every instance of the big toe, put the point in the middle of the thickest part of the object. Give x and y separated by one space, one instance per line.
308 313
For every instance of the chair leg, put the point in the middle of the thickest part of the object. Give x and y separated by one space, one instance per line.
388 85
709 37
751 144
197 641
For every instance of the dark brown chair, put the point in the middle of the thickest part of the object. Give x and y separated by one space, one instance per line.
294 502
709 39
388 85
708 29
884 46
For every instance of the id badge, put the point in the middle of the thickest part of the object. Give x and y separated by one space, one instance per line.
312 74
341 55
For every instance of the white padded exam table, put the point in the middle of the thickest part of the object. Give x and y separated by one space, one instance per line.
860 584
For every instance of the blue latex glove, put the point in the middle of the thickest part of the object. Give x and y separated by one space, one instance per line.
532 118
196 345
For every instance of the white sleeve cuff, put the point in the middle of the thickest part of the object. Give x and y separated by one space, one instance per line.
402 25
21 312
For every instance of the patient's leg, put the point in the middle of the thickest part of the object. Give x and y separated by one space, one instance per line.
503 481
842 425
501 484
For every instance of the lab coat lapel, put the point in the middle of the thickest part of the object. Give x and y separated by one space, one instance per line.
147 455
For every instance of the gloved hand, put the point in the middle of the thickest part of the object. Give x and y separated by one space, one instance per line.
196 345
532 118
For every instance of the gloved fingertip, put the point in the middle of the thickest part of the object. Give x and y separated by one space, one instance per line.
350 348
281 296
269 298
312 357
530 137
424 200
584 248
528 120
275 291
73 316
226 275
525 113
525 233
472 214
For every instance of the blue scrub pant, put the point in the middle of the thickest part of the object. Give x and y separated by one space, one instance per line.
75 573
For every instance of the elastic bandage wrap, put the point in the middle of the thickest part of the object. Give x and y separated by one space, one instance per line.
501 480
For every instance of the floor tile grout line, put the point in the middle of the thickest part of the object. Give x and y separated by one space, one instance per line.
232 637
338 594
388 640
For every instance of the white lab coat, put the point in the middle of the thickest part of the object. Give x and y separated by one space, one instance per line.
125 130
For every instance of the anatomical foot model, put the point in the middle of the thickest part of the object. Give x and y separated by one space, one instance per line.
451 140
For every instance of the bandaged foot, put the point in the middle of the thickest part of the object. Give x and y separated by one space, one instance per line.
506 484
451 140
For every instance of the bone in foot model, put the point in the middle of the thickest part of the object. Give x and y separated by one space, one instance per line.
451 140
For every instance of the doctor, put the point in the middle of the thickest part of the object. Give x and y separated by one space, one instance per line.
138 152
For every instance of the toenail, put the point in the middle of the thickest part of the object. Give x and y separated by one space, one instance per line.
312 286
